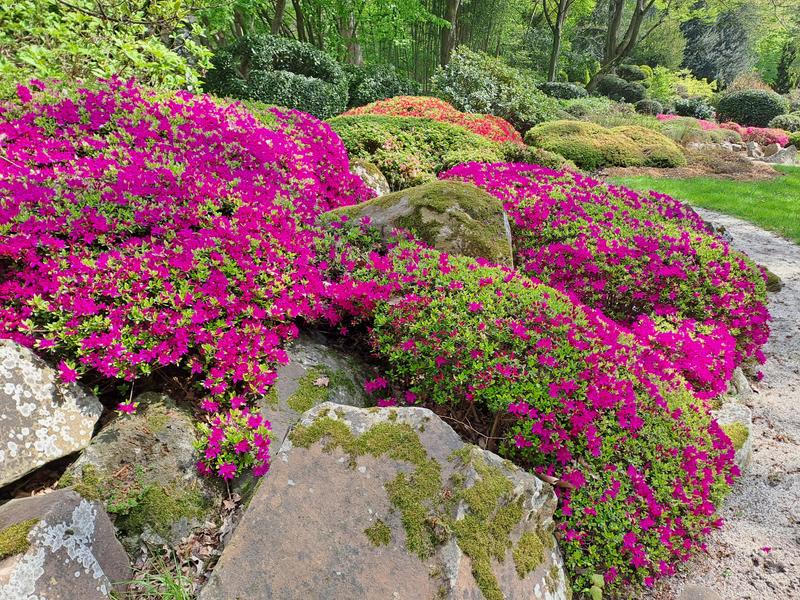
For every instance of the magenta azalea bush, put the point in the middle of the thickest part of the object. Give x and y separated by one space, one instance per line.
140 231
639 462
646 261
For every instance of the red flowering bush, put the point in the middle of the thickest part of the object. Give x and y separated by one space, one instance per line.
645 260
762 135
639 462
140 231
494 128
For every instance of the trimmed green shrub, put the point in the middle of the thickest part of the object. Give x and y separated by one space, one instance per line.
563 90
649 107
581 107
755 108
620 90
409 150
279 71
477 82
532 155
794 139
631 73
788 122
694 107
658 150
377 82
588 145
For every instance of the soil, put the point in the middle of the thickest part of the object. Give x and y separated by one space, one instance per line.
758 171
756 554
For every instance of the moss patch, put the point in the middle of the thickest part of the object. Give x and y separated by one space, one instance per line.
427 507
309 391
737 433
14 539
135 503
379 533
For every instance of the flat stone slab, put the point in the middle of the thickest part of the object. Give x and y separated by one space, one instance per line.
68 553
42 419
389 503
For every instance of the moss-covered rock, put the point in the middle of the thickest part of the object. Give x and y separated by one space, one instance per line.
371 176
737 422
588 145
451 216
658 149
393 502
142 468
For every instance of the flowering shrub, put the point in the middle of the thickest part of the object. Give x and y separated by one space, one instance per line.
634 256
488 126
762 135
140 231
639 462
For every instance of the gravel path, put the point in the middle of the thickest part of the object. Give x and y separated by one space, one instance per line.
756 555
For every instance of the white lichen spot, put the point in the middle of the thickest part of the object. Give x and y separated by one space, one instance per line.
22 580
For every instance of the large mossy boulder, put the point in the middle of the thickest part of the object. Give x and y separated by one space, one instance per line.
451 216
319 370
59 546
42 418
143 468
389 503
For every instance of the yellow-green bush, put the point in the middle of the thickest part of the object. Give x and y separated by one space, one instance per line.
588 145
658 149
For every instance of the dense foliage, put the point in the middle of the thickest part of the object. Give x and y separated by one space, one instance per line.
279 71
588 145
635 256
620 90
694 107
371 83
563 90
657 149
477 82
754 108
789 122
46 38
142 231
640 463
649 107
488 126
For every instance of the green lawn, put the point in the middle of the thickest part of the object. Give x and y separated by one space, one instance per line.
773 205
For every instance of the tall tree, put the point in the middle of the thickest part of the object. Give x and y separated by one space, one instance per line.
555 13
448 35
786 78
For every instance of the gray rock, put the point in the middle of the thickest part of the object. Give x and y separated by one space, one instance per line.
69 552
318 371
371 176
771 150
147 461
737 422
784 156
754 150
42 419
451 216
391 516
739 387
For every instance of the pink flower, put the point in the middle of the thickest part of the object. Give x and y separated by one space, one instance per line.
227 471
66 373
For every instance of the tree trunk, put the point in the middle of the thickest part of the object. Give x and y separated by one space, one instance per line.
347 29
277 21
300 21
448 36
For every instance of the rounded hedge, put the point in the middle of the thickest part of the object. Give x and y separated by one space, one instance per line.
620 90
658 149
649 107
377 82
563 90
789 122
411 150
694 107
631 73
279 71
751 107
794 139
588 145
